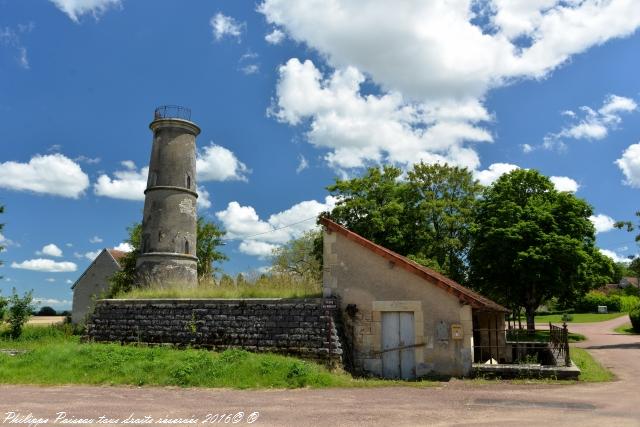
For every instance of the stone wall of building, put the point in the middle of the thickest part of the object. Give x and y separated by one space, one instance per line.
302 327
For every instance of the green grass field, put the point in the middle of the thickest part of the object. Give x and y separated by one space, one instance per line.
579 317
56 357
626 329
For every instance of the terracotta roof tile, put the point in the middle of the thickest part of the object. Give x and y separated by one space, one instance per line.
116 254
464 294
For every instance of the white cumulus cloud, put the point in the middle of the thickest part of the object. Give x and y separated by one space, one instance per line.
225 26
425 55
46 265
360 129
217 163
564 183
494 171
95 239
275 37
614 256
52 174
128 184
439 49
591 124
124 247
50 250
259 237
74 9
602 222
91 255
629 164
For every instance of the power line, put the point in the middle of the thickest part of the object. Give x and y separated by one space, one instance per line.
270 231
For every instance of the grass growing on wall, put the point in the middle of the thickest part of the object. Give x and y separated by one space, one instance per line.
57 357
271 286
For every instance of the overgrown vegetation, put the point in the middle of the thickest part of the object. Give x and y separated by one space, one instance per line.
57 357
272 285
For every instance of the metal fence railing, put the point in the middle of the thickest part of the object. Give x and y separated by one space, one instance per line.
172 112
559 343
515 345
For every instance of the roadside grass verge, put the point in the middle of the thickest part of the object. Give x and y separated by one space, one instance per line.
271 286
55 357
625 329
591 370
579 317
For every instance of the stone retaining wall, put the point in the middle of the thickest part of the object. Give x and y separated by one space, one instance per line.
301 327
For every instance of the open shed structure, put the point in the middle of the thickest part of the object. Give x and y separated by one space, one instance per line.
401 319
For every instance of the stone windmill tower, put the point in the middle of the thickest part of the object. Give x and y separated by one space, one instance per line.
168 246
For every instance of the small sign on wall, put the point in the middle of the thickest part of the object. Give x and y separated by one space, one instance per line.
456 332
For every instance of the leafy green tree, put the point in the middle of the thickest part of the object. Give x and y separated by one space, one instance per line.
299 257
634 266
3 308
46 311
531 243
20 309
123 281
426 217
1 227
209 239
441 203
374 207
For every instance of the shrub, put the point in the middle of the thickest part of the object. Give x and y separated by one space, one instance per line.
590 302
566 317
628 302
20 309
634 315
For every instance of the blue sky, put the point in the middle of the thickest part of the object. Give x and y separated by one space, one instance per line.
290 95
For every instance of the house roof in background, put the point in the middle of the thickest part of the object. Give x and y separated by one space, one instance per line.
464 294
116 255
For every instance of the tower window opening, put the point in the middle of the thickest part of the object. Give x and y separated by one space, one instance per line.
186 247
188 182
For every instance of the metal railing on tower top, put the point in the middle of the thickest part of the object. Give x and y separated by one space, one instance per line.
172 112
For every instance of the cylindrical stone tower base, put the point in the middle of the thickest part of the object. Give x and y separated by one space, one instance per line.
169 224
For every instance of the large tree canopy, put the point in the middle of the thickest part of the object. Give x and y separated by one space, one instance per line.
532 243
426 216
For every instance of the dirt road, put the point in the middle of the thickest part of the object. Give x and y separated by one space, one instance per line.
455 403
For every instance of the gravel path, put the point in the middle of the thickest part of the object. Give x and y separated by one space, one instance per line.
615 403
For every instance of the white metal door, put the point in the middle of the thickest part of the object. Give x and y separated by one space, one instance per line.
398 335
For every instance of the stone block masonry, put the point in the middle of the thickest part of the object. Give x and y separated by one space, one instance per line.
300 327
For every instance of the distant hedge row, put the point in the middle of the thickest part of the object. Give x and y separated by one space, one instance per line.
615 303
